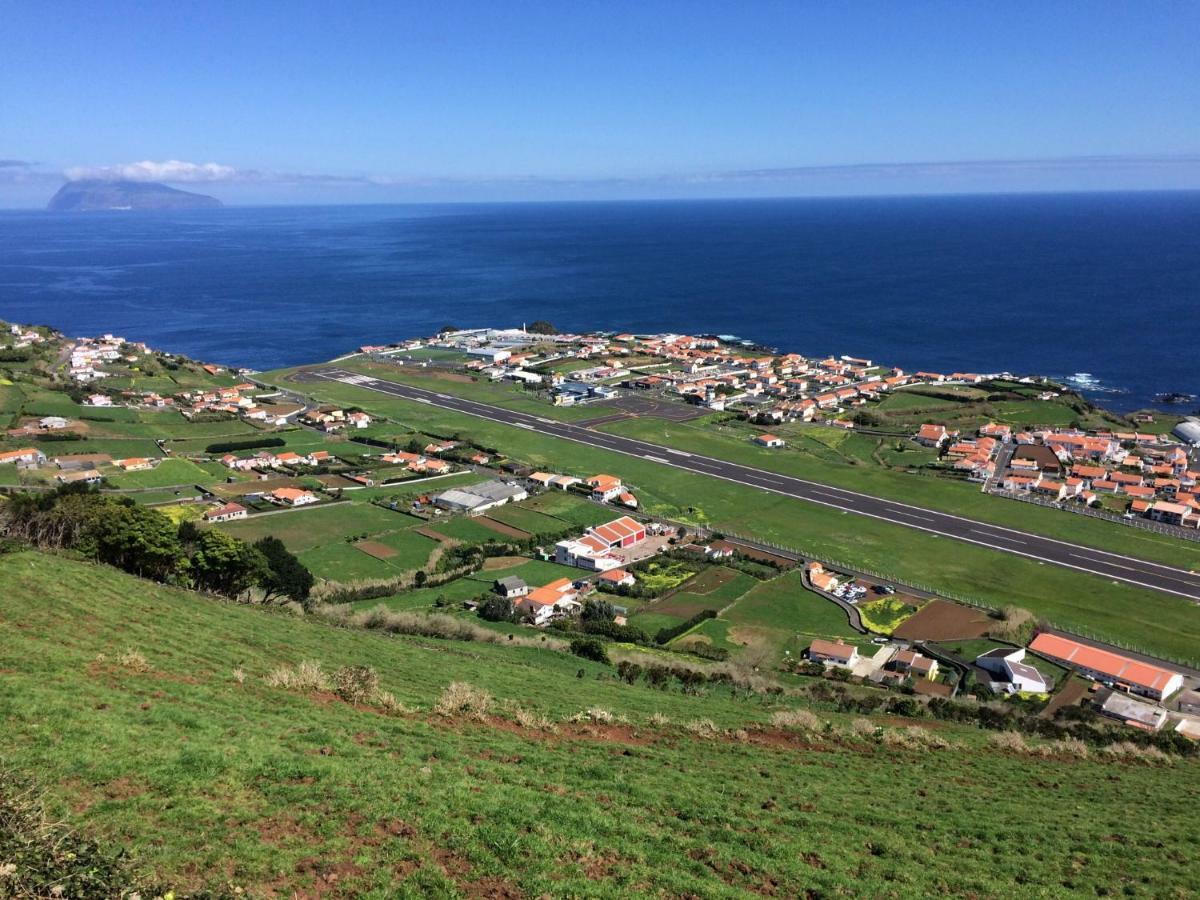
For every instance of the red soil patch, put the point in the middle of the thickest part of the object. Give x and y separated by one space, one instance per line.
501 528
428 532
376 549
503 562
1073 691
940 620
708 581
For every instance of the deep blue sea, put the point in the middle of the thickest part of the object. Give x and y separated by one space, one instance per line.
1105 285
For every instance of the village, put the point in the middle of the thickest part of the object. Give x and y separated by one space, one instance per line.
550 544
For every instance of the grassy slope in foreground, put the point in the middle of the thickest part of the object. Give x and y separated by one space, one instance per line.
935 493
219 783
1141 618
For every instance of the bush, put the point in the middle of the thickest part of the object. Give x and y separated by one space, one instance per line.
590 648
796 720
39 854
462 699
252 444
306 676
356 684
666 635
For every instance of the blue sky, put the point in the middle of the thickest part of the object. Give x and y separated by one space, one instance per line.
356 102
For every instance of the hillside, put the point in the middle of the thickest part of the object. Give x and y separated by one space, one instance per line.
89 196
148 715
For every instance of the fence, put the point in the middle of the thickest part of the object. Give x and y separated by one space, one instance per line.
1072 631
1187 534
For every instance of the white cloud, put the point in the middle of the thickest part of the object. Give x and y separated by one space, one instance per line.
173 170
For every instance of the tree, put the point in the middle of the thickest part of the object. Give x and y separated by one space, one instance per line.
496 609
226 565
541 326
597 611
139 540
589 648
285 575
446 328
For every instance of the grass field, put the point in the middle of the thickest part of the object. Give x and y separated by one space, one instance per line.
304 529
167 473
219 783
1144 619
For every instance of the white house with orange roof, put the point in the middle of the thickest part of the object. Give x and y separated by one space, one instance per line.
605 487
554 600
292 497
26 456
768 440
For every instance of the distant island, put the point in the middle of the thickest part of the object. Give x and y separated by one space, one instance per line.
94 195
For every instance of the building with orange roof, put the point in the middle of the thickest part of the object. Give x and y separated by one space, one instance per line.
292 497
605 487
833 653
768 440
1102 665
23 457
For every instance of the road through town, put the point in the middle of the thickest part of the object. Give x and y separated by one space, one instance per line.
1114 566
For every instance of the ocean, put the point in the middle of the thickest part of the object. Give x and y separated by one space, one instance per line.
1100 289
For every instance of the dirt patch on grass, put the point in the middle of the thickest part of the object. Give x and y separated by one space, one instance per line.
376 549
503 562
501 528
940 620
429 532
1073 691
709 580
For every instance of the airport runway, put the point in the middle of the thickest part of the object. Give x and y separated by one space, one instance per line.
1114 566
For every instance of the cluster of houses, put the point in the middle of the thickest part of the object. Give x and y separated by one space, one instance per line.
22 337
333 419
601 488
88 355
889 665
1151 473
265 460
557 600
974 456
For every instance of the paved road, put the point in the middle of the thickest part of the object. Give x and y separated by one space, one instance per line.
1114 566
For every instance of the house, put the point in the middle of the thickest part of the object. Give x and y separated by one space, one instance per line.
605 487
1134 713
358 419
510 586
931 435
226 513
1008 674
833 653
99 400
1132 675
1170 513
822 580
480 497
910 662
542 604
26 456
617 578
768 440
628 500
292 497
50 423
75 476
134 464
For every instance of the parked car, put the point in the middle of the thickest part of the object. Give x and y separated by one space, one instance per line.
884 589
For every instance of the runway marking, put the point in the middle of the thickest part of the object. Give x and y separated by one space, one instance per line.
836 497
423 400
523 425
1000 537
911 515
677 452
657 459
